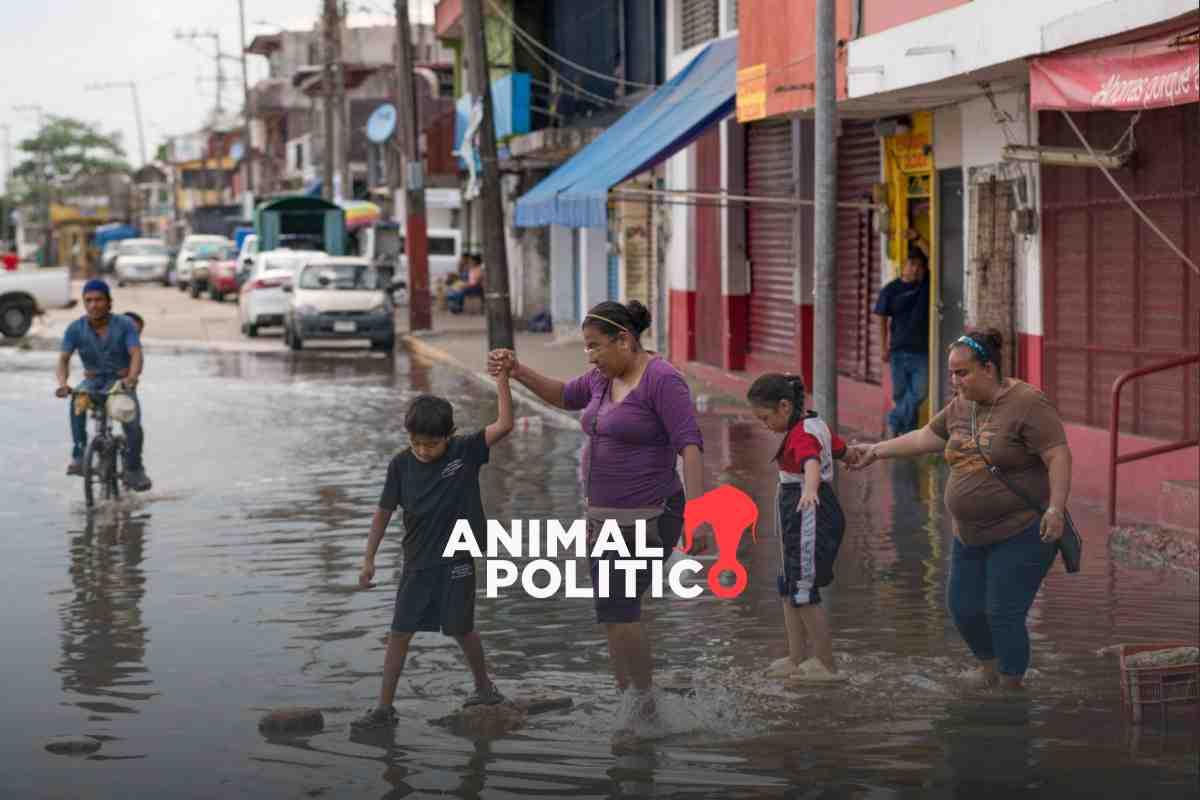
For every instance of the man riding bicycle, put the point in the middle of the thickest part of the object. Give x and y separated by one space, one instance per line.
111 351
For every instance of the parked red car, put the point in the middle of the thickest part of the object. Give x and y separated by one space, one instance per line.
223 275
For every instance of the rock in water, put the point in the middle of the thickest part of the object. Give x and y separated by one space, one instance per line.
541 702
494 720
292 720
73 745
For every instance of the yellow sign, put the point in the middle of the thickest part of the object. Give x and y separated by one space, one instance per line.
913 151
752 93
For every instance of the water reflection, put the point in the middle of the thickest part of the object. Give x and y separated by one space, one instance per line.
988 746
103 635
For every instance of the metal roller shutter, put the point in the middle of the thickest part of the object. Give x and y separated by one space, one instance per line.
858 257
771 241
1115 297
709 338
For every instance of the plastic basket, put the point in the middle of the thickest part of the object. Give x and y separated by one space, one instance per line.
1147 687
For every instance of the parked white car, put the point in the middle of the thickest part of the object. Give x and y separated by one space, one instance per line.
340 298
141 260
25 293
262 301
194 245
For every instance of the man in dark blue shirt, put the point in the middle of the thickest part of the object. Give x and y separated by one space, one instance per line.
903 306
111 350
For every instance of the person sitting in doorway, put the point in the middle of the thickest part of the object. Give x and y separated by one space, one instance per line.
903 308
456 297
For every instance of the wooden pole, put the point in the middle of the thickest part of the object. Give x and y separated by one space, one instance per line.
416 244
495 256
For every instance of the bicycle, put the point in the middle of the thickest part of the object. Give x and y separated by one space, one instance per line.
104 457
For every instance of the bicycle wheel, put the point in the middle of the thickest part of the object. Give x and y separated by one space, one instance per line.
116 468
93 465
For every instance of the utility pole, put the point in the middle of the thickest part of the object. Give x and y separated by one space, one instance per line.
247 151
328 32
216 37
420 317
825 217
137 108
342 154
495 257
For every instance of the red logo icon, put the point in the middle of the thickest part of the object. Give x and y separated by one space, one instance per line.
729 511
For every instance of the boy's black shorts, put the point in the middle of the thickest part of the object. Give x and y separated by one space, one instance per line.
437 598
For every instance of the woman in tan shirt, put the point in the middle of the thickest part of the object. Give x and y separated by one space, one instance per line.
1002 547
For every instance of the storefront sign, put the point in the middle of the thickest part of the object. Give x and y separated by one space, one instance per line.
1153 74
752 93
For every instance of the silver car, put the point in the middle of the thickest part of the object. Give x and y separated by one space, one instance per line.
141 261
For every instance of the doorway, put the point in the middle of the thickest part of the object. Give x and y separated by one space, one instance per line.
950 318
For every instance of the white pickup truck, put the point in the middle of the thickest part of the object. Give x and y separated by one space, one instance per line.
30 291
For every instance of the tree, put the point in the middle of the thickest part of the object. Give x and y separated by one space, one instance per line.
66 150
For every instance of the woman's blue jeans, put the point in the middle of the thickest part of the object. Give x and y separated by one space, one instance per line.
990 592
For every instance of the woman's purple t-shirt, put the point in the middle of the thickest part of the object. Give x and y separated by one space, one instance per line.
632 445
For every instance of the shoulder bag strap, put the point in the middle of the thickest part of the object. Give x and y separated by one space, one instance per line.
995 471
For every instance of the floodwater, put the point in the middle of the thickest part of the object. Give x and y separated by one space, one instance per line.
166 624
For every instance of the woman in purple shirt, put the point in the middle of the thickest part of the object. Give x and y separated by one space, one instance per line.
638 416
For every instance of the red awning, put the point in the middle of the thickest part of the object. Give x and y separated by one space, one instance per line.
1155 73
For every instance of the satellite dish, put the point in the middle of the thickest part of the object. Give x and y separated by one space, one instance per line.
382 123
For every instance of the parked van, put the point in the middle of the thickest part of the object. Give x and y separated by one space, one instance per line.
445 251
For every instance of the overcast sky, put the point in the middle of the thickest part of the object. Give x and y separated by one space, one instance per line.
52 49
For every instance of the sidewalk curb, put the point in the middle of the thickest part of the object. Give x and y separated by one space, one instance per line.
418 346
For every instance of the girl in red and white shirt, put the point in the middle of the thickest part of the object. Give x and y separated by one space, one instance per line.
809 520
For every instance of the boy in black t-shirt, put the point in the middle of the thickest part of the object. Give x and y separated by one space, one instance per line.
436 481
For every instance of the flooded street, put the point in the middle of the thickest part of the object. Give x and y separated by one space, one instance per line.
168 623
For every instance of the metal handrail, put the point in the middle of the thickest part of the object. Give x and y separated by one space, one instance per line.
1114 428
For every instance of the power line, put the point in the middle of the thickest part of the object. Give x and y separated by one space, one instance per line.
596 98
516 29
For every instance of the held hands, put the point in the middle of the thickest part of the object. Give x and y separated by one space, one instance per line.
62 391
1052 525
502 362
860 456
367 575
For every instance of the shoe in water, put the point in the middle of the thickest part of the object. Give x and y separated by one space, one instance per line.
484 697
813 671
75 467
377 717
138 480
782 668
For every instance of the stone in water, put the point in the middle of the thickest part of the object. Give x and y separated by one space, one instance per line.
494 720
292 720
541 702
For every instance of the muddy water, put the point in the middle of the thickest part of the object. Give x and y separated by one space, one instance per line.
166 624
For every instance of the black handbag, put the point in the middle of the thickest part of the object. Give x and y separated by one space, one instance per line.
1070 544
